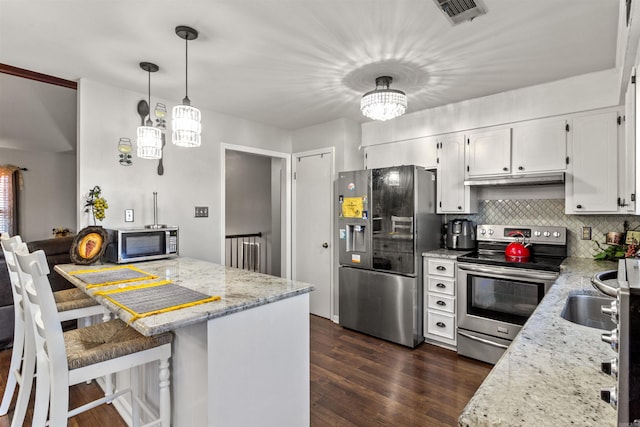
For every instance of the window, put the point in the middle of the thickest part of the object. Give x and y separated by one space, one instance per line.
8 199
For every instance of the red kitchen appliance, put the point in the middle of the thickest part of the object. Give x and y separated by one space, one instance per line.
517 251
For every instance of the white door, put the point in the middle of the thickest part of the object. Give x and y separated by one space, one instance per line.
312 225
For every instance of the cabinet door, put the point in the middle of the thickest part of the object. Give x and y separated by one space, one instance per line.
489 152
628 151
593 185
419 152
539 146
453 195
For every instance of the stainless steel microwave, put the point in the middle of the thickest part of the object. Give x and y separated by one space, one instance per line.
126 245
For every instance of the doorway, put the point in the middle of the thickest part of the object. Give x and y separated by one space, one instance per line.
255 218
313 225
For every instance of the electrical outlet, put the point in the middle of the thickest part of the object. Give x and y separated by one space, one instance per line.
201 211
586 233
128 215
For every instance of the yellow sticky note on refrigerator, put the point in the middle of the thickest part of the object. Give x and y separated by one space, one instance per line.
352 207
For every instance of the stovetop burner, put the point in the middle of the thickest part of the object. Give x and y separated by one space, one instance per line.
544 263
548 246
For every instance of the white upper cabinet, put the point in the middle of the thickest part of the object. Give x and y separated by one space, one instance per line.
539 146
489 152
628 152
592 184
419 152
453 195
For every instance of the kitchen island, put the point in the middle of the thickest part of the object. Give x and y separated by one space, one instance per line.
550 374
239 361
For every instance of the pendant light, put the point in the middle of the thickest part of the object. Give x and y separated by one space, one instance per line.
383 104
149 138
185 118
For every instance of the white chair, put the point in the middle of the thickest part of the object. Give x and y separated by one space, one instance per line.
71 304
72 357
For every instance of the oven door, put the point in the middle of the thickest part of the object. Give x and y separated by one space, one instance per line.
497 301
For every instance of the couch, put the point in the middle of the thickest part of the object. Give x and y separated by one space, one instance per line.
57 252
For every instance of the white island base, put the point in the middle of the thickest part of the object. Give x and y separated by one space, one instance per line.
250 368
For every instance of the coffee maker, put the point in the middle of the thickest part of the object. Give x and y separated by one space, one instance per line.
461 235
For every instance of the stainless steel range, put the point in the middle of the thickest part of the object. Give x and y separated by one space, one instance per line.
496 296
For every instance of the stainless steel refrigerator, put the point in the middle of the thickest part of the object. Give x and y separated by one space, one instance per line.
386 219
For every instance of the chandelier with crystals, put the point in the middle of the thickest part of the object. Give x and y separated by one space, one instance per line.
383 104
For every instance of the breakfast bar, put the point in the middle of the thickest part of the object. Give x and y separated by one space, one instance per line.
239 360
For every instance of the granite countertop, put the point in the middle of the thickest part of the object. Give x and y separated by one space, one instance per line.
239 290
445 253
550 375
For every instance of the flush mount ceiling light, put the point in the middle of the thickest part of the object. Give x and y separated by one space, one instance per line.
185 118
383 104
149 138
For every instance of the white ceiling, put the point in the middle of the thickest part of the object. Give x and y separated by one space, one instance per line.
295 63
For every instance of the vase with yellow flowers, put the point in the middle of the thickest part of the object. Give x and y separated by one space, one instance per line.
96 204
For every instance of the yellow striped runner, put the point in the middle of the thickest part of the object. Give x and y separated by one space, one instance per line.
112 295
143 275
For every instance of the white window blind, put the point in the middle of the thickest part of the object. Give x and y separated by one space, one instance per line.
7 200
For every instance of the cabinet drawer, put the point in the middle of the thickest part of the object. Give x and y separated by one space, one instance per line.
442 285
440 324
441 302
441 267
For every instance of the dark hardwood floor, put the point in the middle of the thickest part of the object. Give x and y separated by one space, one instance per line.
356 380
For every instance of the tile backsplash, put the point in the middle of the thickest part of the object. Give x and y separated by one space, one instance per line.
551 212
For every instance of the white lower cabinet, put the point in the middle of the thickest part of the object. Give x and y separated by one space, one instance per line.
440 322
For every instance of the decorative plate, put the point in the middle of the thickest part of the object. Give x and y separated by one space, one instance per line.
89 245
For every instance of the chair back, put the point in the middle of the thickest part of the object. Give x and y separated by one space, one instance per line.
9 245
42 308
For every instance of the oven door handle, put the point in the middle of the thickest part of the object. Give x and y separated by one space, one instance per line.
482 340
512 273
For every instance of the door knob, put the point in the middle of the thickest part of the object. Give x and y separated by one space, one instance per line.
325 245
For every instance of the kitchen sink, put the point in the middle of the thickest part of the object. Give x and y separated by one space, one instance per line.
584 309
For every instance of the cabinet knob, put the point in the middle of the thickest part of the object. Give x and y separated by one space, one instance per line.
441 303
520 168
505 169
578 206
441 268
459 208
441 325
441 285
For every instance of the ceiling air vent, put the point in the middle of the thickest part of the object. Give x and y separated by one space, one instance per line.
458 11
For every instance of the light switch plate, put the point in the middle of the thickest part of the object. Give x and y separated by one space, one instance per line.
201 211
128 215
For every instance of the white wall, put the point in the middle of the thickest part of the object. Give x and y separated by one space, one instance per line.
579 93
191 177
343 134
48 199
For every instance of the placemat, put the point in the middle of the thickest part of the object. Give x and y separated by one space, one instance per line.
111 275
155 298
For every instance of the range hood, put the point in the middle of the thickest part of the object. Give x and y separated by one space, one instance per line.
520 179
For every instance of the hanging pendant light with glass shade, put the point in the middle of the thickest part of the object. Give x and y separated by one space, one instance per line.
149 138
185 118
383 104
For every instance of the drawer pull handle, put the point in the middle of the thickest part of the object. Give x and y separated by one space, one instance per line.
441 285
441 325
441 268
442 303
